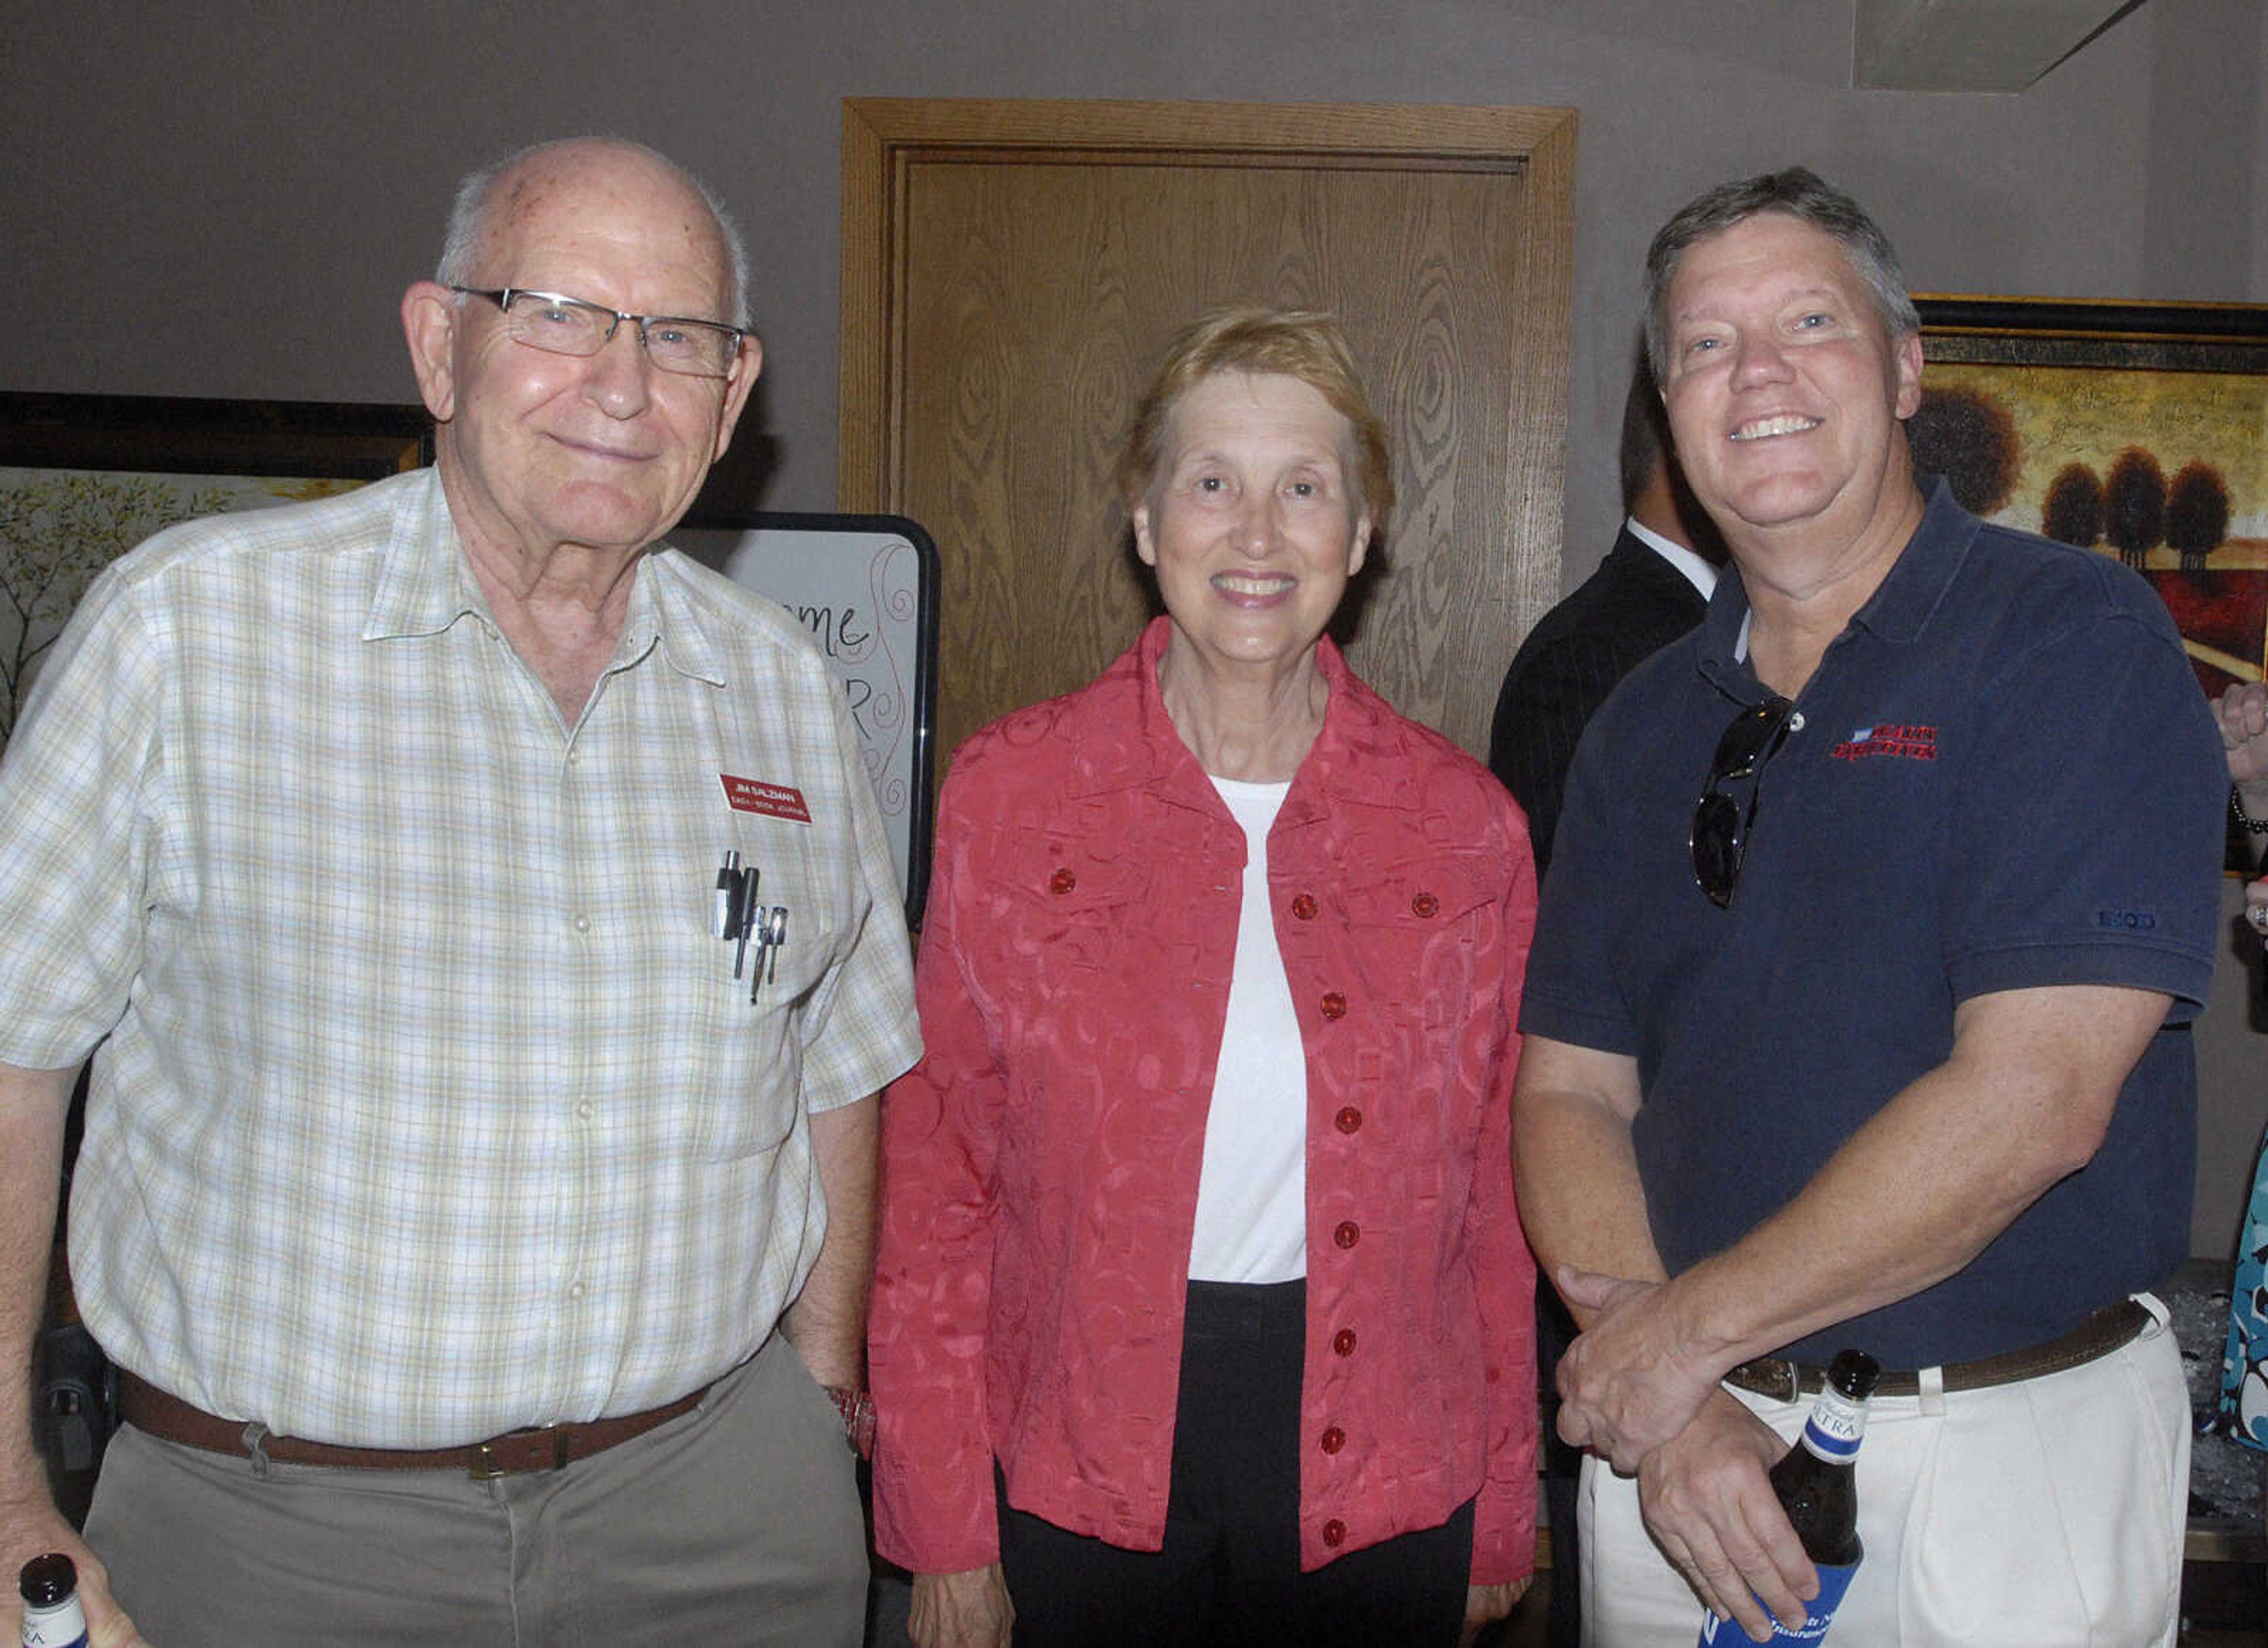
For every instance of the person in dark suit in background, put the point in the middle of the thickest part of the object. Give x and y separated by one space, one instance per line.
1653 587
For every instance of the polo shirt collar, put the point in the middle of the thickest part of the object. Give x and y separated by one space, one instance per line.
1899 610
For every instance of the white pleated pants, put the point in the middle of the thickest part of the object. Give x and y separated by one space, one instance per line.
2049 1513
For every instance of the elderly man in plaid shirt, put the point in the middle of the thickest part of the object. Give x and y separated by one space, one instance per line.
483 1240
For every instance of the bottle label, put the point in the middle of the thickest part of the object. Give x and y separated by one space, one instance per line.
1833 1582
1835 1428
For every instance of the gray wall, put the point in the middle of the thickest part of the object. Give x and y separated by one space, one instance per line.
216 199
227 199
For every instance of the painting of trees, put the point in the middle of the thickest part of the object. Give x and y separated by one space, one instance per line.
2197 513
2110 398
2134 506
2072 513
1969 438
57 530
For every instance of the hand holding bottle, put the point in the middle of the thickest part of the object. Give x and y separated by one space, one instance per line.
1707 1500
1816 1484
48 1588
25 1535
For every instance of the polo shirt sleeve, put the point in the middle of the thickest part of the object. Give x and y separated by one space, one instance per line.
2085 834
1572 994
80 797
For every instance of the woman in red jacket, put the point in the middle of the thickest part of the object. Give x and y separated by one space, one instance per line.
1203 1311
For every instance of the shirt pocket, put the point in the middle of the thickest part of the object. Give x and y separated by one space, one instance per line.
739 1071
738 1059
1419 931
1424 940
1061 932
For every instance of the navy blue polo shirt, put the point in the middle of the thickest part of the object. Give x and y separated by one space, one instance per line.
2003 776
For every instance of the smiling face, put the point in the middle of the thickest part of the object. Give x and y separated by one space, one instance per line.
1252 520
606 451
1785 390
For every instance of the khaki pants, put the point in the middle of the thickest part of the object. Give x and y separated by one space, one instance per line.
738 1523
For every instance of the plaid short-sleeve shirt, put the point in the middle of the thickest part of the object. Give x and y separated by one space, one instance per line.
428 1106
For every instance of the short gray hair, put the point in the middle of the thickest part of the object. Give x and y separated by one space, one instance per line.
1801 194
468 215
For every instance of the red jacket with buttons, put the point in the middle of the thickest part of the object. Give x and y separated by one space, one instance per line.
1041 1164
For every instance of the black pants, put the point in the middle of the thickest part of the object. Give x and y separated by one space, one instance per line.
1229 1572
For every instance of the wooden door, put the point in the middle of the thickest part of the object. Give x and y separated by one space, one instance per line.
1010 271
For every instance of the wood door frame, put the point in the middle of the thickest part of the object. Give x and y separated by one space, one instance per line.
883 136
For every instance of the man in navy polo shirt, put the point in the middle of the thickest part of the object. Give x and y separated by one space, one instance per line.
1884 1042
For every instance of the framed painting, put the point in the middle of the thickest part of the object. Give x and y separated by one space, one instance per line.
85 478
2139 431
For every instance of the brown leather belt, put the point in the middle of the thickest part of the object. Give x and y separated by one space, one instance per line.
546 1447
2101 1334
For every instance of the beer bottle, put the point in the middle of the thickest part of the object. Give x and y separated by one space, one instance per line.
1816 1483
52 1616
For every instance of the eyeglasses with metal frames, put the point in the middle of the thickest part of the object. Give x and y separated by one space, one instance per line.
1720 833
561 325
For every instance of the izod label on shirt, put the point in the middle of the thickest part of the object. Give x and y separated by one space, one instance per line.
751 795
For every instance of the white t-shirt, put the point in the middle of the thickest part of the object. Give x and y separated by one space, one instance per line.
1252 1196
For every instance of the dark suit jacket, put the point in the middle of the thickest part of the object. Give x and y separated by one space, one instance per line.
1633 605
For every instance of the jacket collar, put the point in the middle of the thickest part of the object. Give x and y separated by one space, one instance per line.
1343 764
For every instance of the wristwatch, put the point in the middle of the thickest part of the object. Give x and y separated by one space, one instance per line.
858 1410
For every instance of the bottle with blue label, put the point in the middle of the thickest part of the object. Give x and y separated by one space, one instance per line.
1816 1480
52 1616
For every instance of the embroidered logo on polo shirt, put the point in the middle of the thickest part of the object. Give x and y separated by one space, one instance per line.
1888 738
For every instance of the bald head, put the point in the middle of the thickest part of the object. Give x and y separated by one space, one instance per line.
545 445
509 191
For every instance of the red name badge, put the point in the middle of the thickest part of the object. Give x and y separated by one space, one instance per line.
748 795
